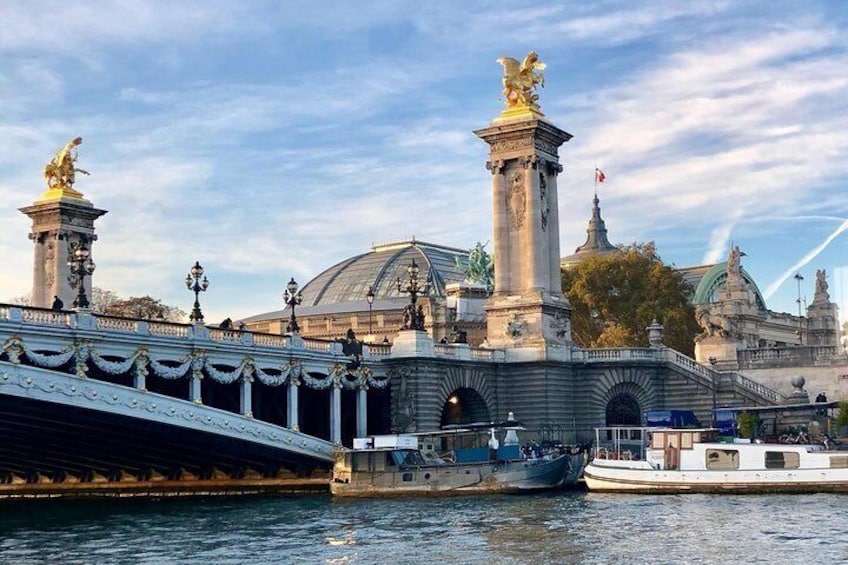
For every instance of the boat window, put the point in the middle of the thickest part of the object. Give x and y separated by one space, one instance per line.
782 460
360 461
657 440
718 459
838 462
686 441
407 458
635 434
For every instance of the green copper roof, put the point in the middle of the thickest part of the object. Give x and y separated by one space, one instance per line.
708 286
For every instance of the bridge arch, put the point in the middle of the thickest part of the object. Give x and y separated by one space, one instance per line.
621 394
623 407
466 396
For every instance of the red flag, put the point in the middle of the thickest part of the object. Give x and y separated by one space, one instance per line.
599 175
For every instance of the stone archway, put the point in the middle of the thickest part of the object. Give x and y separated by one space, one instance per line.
463 406
623 410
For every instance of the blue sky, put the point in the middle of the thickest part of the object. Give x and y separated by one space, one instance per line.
274 139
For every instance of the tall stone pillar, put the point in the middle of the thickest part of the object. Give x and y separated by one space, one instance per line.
61 216
527 313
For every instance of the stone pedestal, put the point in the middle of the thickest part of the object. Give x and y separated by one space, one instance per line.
413 343
527 311
58 220
823 324
720 348
530 327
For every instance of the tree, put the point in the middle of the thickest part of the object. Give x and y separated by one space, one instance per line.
146 308
101 299
615 296
25 300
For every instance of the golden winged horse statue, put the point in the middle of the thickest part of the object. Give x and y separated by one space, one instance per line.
520 79
60 172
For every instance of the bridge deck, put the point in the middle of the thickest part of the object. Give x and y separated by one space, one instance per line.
60 436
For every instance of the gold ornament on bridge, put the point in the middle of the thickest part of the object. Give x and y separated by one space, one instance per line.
520 80
60 172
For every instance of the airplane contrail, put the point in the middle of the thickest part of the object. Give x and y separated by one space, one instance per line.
772 288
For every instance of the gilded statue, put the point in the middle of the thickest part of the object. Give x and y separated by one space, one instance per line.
60 172
520 79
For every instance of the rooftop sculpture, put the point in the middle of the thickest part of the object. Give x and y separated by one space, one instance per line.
520 80
60 172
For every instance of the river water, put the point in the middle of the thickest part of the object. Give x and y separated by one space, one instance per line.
570 527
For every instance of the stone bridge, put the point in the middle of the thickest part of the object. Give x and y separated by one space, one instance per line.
85 397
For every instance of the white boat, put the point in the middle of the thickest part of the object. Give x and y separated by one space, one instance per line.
665 460
443 463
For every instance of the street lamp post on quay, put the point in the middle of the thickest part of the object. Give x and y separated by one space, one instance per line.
713 362
80 265
798 278
196 284
292 298
369 296
413 315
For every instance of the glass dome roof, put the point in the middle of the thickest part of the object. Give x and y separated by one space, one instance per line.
348 281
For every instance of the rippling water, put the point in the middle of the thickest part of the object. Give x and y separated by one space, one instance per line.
574 527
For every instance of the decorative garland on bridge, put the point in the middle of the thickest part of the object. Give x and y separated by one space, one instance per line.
194 365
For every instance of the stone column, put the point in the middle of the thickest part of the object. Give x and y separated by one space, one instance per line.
140 381
292 408
194 389
336 411
552 169
57 222
362 411
536 278
500 223
528 314
246 398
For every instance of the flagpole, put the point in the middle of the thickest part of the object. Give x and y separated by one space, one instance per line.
596 181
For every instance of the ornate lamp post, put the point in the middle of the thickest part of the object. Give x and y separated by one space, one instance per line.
195 284
713 361
798 278
413 314
293 298
369 296
80 265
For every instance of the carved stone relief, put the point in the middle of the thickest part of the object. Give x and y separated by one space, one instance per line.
511 144
495 167
561 327
515 328
516 199
49 262
543 196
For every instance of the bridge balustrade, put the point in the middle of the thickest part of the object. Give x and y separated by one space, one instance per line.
129 351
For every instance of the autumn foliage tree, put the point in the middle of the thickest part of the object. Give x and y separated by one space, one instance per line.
144 307
615 296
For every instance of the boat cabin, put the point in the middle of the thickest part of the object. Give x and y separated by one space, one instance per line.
704 449
662 448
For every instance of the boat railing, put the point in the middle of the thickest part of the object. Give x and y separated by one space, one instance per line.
621 443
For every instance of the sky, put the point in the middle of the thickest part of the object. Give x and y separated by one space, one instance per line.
271 140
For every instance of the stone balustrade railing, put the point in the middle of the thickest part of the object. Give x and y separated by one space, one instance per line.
756 387
377 350
793 356
616 354
125 328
